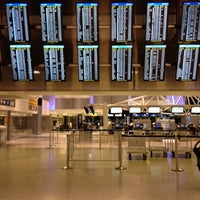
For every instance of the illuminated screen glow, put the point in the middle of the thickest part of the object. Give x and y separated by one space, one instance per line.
51 22
156 21
190 27
154 110
88 62
87 22
154 66
195 110
17 20
121 20
188 58
54 62
177 109
135 110
21 62
115 110
121 62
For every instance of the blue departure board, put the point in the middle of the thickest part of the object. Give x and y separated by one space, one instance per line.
87 22
54 62
190 26
188 59
154 66
121 62
122 21
88 64
21 62
51 22
17 20
156 21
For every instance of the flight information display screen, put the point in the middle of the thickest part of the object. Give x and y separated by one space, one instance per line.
122 21
88 64
154 66
54 62
21 62
17 20
188 58
87 22
156 21
51 22
190 28
121 62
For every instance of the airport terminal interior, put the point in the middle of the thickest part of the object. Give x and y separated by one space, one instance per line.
99 99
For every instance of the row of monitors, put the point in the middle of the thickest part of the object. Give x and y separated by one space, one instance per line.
87 22
154 110
88 62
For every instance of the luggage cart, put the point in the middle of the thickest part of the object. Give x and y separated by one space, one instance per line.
137 145
196 150
158 144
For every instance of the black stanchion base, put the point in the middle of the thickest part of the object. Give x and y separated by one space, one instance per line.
177 170
67 168
50 148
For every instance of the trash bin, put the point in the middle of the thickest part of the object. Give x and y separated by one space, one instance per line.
196 150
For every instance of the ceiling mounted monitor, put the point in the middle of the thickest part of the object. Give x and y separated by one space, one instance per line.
116 110
17 20
51 22
121 62
118 115
88 64
121 22
154 109
190 26
156 21
188 59
154 66
195 110
54 62
21 62
178 110
87 22
135 110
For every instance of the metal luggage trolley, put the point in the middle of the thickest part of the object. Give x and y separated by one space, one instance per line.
158 144
137 145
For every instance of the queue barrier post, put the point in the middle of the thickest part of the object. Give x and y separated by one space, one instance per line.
121 167
67 166
100 132
51 139
57 133
177 169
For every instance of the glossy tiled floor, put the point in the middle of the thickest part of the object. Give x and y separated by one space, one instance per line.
31 171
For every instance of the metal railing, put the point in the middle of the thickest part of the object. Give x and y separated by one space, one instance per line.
74 138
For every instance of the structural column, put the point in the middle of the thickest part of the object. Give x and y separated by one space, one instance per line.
105 116
37 119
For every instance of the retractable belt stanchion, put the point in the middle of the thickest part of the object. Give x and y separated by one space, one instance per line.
68 135
177 169
51 141
99 139
57 132
120 153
